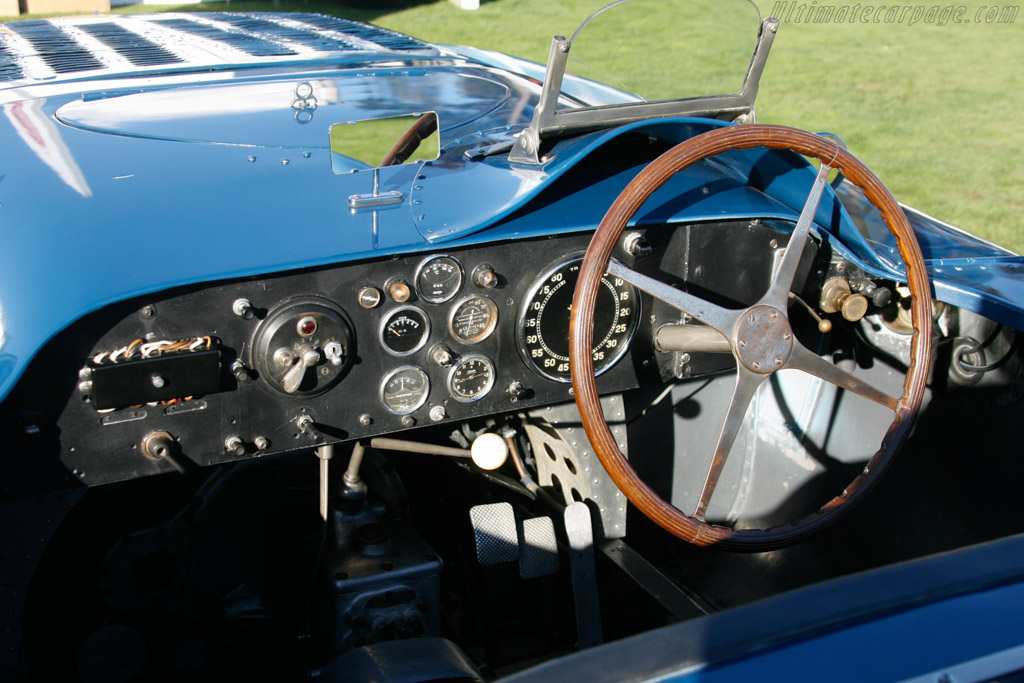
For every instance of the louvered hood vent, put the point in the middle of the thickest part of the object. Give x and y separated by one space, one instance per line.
45 49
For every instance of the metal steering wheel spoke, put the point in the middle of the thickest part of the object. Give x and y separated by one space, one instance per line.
778 293
807 361
747 383
721 319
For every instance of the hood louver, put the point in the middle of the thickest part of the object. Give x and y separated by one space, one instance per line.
44 49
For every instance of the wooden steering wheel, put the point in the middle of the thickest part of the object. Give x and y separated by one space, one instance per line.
759 336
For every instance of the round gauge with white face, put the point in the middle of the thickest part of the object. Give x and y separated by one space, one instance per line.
404 389
544 321
439 279
473 319
471 378
404 330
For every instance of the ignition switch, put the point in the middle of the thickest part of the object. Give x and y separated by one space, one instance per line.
303 347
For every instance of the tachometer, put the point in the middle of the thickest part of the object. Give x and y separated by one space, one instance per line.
544 321
404 389
404 330
471 378
439 279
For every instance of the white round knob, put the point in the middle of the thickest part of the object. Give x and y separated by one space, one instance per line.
489 451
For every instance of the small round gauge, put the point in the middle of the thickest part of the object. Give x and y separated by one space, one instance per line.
439 279
404 389
404 330
544 321
471 378
473 319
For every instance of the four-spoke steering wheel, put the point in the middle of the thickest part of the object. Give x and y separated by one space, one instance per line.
759 336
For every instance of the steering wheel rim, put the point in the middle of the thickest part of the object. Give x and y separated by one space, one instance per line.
596 261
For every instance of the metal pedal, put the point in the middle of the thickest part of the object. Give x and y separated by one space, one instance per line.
579 529
494 530
538 554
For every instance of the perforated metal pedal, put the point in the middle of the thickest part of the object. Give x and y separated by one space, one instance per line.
538 555
494 530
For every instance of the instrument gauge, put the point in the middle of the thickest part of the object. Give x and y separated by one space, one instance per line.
404 389
473 319
544 321
404 330
471 378
439 279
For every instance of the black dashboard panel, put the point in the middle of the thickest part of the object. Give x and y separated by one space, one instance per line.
311 348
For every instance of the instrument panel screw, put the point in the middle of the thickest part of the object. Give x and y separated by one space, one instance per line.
261 443
158 381
148 311
365 420
408 421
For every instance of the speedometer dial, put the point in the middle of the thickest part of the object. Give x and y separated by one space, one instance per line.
544 321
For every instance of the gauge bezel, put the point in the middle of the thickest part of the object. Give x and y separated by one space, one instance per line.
387 378
493 325
424 263
462 361
539 282
388 315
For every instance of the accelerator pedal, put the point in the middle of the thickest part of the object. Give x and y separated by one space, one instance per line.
580 531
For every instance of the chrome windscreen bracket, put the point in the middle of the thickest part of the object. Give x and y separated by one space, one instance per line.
548 122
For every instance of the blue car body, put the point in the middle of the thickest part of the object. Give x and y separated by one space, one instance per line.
132 172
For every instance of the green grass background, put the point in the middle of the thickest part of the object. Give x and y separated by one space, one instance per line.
936 111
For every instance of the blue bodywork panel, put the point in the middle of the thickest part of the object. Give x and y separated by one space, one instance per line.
131 188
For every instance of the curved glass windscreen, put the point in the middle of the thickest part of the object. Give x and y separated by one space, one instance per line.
704 50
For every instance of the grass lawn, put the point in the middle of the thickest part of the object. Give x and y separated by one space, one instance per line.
935 110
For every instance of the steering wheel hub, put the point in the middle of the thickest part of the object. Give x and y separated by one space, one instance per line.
763 339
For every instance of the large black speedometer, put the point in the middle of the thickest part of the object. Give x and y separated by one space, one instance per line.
544 321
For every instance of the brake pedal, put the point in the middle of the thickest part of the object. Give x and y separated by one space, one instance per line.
538 555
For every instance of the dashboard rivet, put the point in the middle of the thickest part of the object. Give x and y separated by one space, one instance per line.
158 381
261 443
365 420
148 311
408 421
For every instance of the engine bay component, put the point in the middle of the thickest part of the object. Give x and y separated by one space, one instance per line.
544 321
303 347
